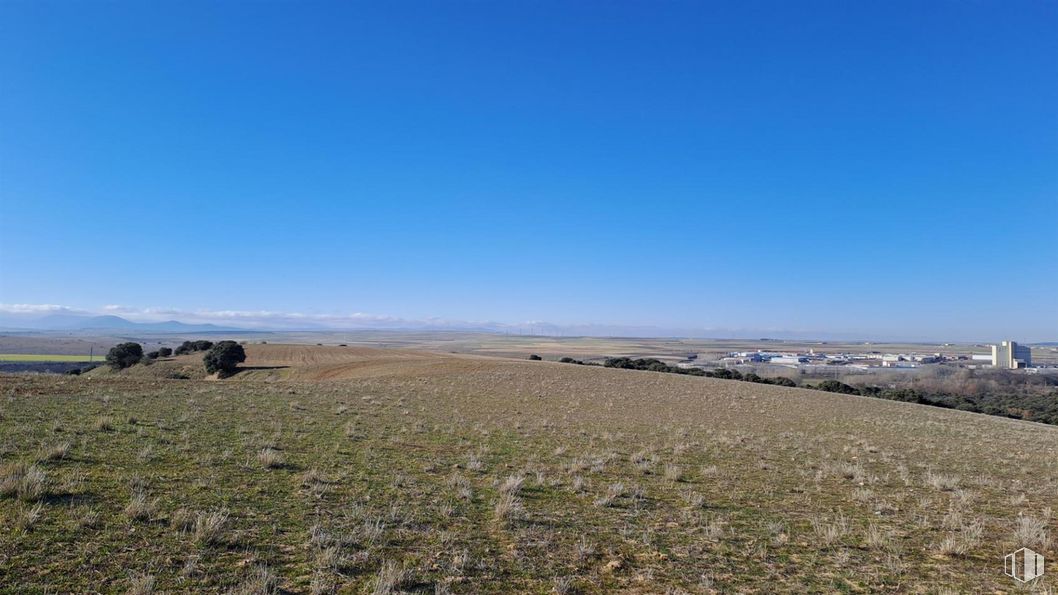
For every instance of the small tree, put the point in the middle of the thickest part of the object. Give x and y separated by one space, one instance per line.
223 357
834 386
164 352
124 355
193 346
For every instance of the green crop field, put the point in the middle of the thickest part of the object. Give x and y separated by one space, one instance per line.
43 357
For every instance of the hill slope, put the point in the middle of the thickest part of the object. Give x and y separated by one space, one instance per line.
339 466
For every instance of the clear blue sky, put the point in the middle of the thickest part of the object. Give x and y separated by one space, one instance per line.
884 168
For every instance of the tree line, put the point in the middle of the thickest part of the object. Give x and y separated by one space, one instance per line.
1039 407
221 357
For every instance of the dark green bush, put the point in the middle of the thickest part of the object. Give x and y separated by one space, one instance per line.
124 355
193 346
833 386
224 357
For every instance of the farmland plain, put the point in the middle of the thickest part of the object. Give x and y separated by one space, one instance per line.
39 357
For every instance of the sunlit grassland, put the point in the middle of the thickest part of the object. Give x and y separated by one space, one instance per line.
463 475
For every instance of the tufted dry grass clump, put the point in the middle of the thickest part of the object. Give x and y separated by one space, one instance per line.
259 581
182 519
962 541
104 423
1030 531
140 507
563 585
613 492
391 577
210 527
829 532
27 516
941 481
694 500
512 485
57 452
508 509
875 537
25 482
673 473
270 458
141 583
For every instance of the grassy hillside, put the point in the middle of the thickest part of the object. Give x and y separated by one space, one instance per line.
324 469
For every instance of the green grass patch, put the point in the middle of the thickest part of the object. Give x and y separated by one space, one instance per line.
44 357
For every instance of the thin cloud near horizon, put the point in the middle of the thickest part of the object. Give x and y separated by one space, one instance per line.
275 320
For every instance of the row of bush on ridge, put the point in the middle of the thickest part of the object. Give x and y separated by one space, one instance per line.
656 365
220 357
1036 407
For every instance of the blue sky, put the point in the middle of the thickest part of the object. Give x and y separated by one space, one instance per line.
875 169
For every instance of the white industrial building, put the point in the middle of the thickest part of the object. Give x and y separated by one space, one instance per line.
1010 356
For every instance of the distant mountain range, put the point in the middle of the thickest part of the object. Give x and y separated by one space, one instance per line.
75 322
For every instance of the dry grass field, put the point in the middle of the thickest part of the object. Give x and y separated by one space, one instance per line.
329 469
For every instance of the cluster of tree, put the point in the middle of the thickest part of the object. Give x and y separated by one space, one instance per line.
570 360
650 364
124 355
1006 400
834 386
1034 405
778 380
1030 406
162 352
224 357
655 365
193 346
221 357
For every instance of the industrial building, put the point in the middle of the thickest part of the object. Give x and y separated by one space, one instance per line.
1010 356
